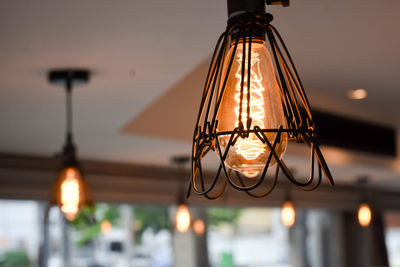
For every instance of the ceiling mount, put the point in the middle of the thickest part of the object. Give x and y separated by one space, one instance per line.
283 3
180 160
237 6
69 76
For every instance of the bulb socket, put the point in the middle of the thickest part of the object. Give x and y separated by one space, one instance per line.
69 154
245 6
243 12
71 76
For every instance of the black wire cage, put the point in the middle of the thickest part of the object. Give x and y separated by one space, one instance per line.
249 27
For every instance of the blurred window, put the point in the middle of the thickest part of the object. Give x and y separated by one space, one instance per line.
392 221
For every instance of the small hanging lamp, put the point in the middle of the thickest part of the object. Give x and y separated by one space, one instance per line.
70 190
183 219
364 212
288 212
199 227
253 104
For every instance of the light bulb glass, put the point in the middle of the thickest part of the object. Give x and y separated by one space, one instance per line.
288 214
357 94
70 192
364 215
105 227
182 218
249 155
199 227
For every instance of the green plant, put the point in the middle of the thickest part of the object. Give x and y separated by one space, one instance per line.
89 220
218 215
155 217
15 258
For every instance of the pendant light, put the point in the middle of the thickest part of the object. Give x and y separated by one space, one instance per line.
252 106
199 227
364 212
182 218
288 212
70 190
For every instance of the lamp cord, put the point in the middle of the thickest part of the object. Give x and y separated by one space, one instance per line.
68 107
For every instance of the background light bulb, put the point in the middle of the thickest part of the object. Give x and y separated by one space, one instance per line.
105 227
70 192
364 215
199 227
249 155
288 214
182 218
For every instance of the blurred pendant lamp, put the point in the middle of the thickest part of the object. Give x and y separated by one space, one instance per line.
288 212
70 191
183 218
199 227
253 103
364 213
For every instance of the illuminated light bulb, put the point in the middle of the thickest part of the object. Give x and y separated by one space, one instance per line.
182 218
364 215
70 192
288 214
249 155
357 94
199 227
105 227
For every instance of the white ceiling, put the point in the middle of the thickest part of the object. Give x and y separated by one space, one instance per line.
139 50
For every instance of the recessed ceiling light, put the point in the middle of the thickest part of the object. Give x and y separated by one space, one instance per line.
357 94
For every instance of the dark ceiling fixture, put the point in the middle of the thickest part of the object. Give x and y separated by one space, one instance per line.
70 191
252 105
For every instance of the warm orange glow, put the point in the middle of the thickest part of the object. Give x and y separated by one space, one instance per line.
364 215
182 218
250 148
70 193
105 227
357 94
199 227
250 154
288 214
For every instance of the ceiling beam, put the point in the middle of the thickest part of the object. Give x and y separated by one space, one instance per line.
31 177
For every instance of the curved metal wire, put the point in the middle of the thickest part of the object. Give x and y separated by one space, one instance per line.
300 126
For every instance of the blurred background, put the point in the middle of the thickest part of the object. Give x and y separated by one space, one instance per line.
148 61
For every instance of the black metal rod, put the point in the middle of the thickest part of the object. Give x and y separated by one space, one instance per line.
69 114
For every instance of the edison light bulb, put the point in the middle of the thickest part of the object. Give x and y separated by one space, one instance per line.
364 215
249 155
182 218
288 214
70 192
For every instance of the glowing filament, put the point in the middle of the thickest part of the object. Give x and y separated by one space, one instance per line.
249 102
251 147
70 194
